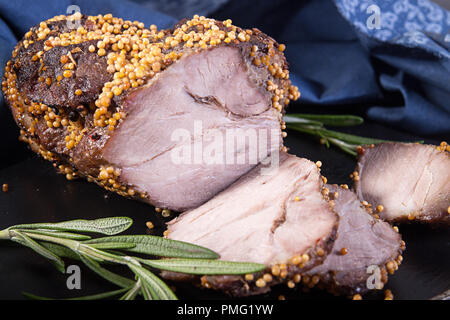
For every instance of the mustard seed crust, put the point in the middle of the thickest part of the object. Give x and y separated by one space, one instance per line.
242 286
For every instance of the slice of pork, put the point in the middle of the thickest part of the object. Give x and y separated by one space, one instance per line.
278 217
365 251
170 117
409 181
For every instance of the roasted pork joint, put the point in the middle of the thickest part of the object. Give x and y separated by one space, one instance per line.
107 101
405 182
365 251
281 218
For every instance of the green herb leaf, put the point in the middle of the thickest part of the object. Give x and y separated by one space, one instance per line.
99 296
112 245
158 289
348 148
133 292
63 235
35 297
204 267
159 246
325 119
108 226
293 119
99 255
60 251
105 273
28 242
146 291
350 138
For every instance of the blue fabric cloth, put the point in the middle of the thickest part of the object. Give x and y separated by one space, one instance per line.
396 67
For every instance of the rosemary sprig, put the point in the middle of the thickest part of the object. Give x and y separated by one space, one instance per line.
54 242
314 124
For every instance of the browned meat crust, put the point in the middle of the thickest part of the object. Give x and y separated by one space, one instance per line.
67 87
291 273
367 249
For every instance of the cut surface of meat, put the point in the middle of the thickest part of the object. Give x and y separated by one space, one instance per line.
207 98
278 217
410 181
366 248
265 218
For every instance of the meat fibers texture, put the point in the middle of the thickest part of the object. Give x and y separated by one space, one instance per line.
410 181
112 101
365 251
276 215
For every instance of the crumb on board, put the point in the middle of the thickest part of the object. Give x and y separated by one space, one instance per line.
166 213
388 295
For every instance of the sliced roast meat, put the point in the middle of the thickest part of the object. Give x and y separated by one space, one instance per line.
405 181
150 114
365 251
193 103
276 215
